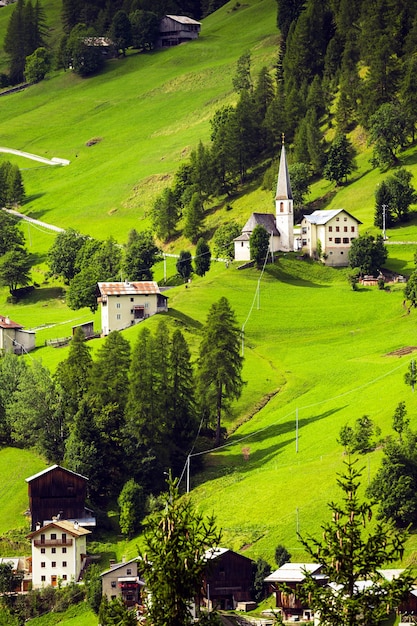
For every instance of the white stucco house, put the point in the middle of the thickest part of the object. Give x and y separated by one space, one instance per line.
13 337
59 553
280 225
126 303
335 230
122 581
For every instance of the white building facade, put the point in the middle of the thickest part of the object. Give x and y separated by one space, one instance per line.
59 552
328 234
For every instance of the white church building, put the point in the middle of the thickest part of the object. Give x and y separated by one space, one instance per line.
280 226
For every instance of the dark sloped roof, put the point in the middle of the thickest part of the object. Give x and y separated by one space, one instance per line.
267 220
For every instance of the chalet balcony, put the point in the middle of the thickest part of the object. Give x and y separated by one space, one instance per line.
46 543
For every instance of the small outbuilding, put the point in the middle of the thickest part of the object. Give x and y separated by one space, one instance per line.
227 581
13 337
176 29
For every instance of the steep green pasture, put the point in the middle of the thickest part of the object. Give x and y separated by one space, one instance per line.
79 614
15 466
148 111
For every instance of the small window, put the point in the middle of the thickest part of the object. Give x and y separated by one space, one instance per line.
345 239
113 597
53 564
64 563
341 252
128 572
132 299
345 229
345 219
330 229
64 537
42 538
352 229
337 240
118 305
118 316
330 238
42 550
113 584
43 564
64 577
337 229
53 535
64 550
53 550
43 579
337 219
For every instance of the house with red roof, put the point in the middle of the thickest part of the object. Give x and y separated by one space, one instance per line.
13 337
124 304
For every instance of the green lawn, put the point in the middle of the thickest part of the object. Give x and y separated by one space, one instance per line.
77 615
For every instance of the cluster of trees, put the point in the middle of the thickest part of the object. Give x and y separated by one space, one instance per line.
324 46
129 413
15 260
202 260
368 254
360 437
393 198
394 486
12 191
26 32
82 262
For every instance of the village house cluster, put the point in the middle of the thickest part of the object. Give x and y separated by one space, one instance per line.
61 524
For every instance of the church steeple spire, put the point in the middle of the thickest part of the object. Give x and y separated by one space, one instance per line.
284 191
284 204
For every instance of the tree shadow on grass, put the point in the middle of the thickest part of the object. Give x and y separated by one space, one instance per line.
44 294
245 460
184 320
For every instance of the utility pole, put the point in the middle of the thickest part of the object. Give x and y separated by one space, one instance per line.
384 218
296 430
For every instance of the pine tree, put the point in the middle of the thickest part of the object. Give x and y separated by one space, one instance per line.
165 214
202 257
194 218
340 160
219 364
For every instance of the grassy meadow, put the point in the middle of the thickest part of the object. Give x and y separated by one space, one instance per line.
318 350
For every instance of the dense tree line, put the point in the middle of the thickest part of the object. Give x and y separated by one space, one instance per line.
127 414
26 32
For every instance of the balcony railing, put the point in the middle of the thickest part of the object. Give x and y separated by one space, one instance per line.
52 542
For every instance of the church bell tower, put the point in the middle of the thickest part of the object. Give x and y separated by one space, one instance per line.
284 205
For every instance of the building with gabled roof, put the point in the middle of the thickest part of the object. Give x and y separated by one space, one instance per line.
176 29
124 304
285 582
59 553
13 337
227 580
58 493
122 580
328 234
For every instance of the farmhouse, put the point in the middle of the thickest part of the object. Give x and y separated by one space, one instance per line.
125 304
176 29
59 553
328 235
279 226
122 581
13 338
285 582
227 580
58 493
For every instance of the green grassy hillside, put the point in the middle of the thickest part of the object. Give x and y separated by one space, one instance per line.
148 111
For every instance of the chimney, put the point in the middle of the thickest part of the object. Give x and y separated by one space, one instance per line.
38 526
123 559
7 320
112 563
76 525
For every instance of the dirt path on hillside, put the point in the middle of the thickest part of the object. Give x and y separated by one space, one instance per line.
35 157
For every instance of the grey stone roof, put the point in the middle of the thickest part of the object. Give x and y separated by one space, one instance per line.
267 220
324 216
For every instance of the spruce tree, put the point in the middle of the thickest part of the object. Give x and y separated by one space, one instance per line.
202 257
351 553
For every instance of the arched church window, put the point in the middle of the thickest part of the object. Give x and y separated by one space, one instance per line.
281 207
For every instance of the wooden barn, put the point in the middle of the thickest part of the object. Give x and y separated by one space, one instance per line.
58 493
227 580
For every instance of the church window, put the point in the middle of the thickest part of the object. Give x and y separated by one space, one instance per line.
281 207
